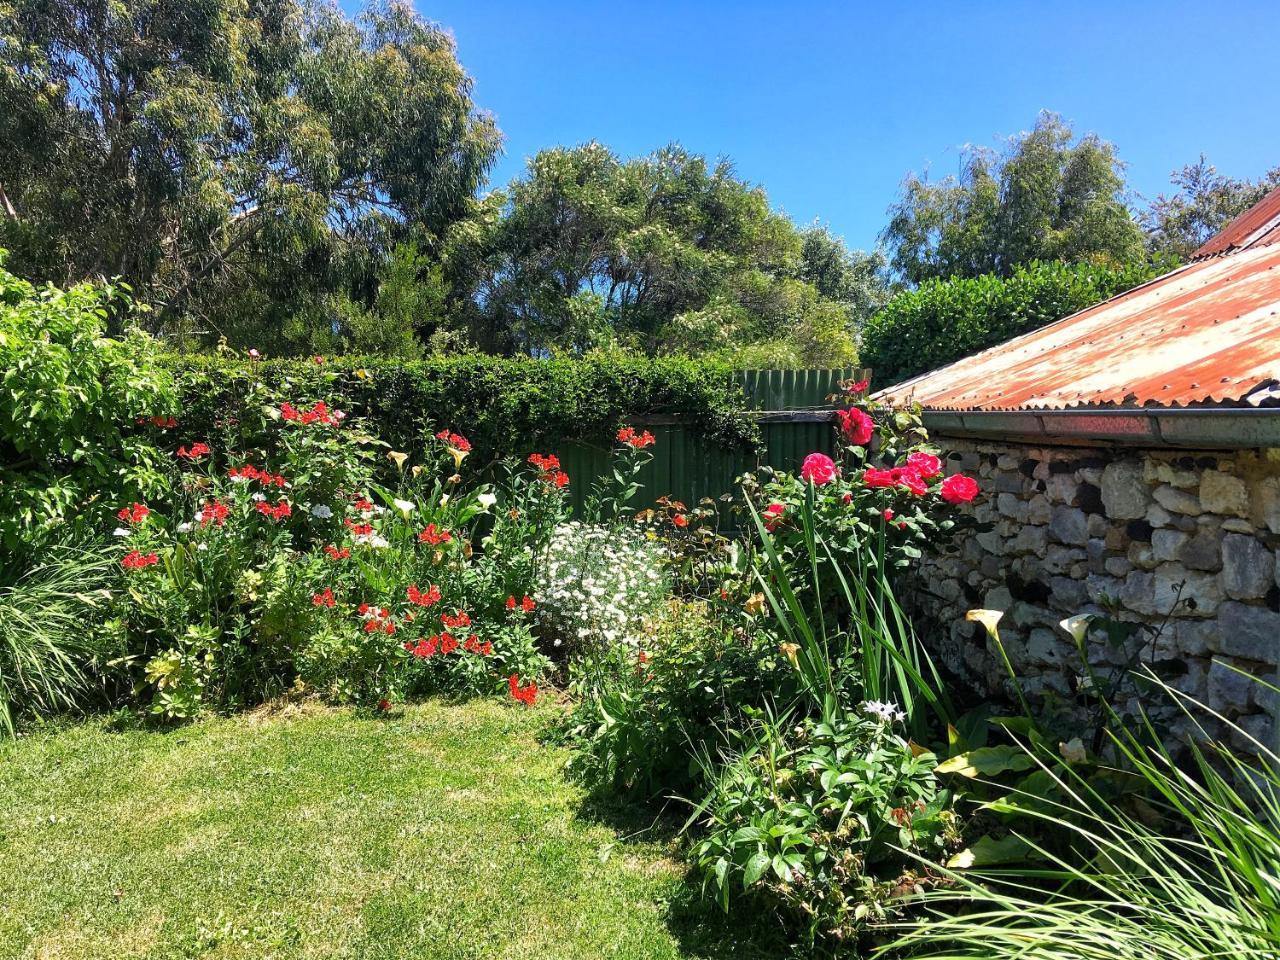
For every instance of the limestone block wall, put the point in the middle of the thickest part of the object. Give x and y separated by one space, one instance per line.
1182 541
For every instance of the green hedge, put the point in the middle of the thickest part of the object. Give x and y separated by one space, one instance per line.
944 320
503 405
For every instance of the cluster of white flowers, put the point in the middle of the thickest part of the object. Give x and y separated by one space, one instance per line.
598 585
887 712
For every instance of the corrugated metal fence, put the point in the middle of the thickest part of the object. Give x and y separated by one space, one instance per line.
795 420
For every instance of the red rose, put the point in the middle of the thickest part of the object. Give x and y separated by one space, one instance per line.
958 488
818 469
925 464
856 426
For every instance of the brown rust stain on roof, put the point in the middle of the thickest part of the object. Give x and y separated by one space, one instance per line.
1205 334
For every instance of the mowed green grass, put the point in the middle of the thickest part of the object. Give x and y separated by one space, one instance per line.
442 831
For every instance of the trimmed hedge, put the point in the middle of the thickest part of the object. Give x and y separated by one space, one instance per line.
944 320
503 405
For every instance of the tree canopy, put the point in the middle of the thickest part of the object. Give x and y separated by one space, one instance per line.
666 253
229 158
1204 202
1047 196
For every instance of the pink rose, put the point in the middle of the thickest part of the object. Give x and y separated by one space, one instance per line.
818 468
959 489
856 426
925 464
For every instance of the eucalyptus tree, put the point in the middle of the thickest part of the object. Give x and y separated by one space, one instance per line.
229 157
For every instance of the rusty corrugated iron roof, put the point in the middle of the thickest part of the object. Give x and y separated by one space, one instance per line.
1207 334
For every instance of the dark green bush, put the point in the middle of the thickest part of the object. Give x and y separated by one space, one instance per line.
944 320
503 405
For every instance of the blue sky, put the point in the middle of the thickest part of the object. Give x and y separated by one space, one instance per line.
829 105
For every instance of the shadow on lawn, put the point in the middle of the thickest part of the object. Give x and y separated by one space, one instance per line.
697 922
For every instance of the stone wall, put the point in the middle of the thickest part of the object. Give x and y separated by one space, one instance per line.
1185 542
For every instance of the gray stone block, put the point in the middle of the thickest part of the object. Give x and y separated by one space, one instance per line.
1125 494
1178 501
1248 567
1249 632
1070 525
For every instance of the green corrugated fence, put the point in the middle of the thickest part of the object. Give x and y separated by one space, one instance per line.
795 421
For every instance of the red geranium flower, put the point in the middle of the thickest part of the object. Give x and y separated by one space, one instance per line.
215 512
958 488
856 426
277 512
455 440
433 536
527 604
773 515
859 386
888 513
133 560
819 469
194 452
526 695
680 520
135 514
511 603
427 599
637 441
459 619
324 599
336 554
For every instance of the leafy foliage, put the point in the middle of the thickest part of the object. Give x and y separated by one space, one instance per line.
51 640
663 253
821 821
644 716
1205 201
508 406
945 320
1191 874
69 398
237 163
1043 198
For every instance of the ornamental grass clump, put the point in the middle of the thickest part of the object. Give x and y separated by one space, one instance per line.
1193 873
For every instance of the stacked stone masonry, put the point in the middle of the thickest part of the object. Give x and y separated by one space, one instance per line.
1186 542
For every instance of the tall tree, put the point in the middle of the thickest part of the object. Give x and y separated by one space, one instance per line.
1204 202
1046 196
229 154
664 252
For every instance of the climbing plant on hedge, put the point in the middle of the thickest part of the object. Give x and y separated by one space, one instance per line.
503 405
944 320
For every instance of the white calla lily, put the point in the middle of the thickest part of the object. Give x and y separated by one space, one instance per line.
1077 626
988 618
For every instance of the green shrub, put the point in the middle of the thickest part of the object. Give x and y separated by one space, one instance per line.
821 820
944 320
643 717
505 406
70 397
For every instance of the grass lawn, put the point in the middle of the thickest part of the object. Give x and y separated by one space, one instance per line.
443 831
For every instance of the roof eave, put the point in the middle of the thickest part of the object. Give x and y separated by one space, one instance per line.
1199 429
